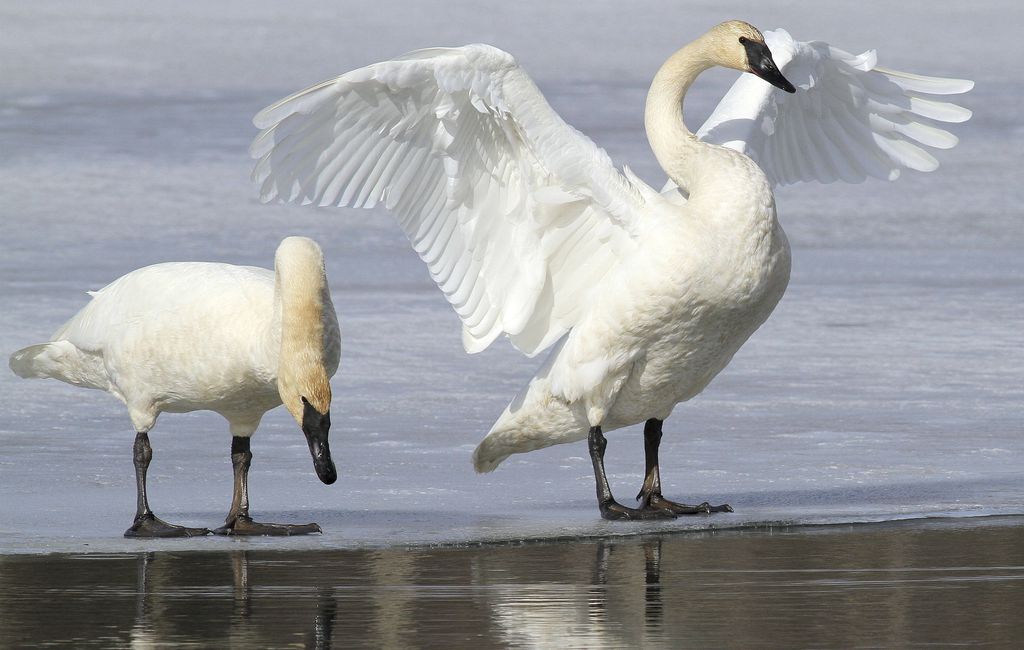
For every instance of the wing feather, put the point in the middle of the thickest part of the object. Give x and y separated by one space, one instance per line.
461 145
849 119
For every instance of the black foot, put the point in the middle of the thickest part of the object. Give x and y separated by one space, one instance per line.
613 511
149 525
658 502
246 526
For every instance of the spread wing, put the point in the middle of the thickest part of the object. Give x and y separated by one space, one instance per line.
517 215
848 119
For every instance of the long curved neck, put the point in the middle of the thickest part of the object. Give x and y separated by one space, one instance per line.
302 303
677 149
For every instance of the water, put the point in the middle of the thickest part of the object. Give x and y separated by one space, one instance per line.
944 582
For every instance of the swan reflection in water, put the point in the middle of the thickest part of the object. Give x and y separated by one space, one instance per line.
276 598
381 598
954 582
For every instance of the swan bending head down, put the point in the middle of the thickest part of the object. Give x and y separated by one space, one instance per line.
302 373
187 336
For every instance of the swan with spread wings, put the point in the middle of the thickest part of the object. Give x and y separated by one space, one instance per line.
530 231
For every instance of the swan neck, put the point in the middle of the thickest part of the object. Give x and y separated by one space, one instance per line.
302 307
674 145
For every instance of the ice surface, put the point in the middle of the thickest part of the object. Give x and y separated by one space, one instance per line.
888 384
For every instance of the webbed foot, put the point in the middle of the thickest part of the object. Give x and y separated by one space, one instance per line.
614 511
658 502
149 525
242 525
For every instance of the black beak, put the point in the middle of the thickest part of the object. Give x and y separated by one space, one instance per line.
316 426
761 64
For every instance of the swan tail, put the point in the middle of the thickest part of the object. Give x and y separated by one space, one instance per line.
491 452
499 445
33 362
57 360
518 431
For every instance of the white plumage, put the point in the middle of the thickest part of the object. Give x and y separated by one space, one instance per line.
530 231
187 336
849 120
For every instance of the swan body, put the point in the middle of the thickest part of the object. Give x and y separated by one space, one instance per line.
188 336
530 231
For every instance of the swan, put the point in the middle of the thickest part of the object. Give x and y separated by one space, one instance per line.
189 336
643 296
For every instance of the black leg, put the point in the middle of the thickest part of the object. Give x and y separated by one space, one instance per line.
610 509
238 521
652 441
147 524
650 494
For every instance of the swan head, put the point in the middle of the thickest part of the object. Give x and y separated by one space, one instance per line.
315 419
302 302
740 46
316 425
307 396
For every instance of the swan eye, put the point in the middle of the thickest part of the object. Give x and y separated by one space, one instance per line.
743 40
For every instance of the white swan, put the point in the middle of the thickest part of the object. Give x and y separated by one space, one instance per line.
189 336
530 231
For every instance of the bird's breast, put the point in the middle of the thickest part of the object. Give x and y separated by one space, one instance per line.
722 286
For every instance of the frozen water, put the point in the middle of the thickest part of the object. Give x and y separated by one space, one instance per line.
888 384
